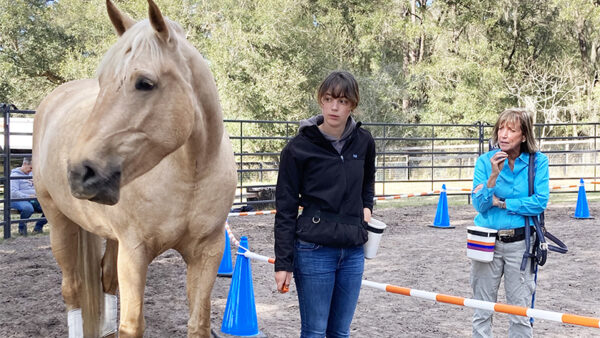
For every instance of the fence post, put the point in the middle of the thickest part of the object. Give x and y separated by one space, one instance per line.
432 155
241 161
481 137
6 114
384 156
595 155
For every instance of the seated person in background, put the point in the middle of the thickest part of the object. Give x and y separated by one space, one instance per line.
23 188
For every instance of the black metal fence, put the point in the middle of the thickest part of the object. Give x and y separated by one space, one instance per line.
410 158
9 160
415 158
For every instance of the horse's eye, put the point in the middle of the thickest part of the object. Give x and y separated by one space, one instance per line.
143 83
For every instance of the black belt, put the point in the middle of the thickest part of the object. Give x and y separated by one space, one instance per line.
512 235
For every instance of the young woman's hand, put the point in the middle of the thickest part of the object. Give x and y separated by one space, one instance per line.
367 213
283 279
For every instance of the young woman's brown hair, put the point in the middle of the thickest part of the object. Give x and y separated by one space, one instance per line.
340 84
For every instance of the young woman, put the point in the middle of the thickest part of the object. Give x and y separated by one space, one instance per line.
501 198
328 169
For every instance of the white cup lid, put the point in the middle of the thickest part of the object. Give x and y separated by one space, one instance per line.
377 224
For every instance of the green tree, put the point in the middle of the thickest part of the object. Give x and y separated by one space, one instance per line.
417 61
31 50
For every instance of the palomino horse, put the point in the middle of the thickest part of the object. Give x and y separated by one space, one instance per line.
139 157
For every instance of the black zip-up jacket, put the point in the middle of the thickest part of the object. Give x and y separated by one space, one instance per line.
312 174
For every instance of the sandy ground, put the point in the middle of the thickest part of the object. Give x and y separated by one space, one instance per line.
411 254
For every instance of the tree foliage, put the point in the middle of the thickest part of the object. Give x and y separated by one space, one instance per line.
417 61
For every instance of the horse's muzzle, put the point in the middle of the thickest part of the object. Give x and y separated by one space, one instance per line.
89 182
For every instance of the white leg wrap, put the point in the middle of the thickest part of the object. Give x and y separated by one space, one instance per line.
109 319
75 322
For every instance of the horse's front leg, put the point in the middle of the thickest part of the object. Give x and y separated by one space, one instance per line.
64 242
202 259
132 267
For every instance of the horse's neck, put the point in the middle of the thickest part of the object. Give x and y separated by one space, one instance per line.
206 137
205 141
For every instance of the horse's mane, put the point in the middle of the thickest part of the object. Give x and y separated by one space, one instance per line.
139 39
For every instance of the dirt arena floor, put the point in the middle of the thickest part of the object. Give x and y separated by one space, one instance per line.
411 254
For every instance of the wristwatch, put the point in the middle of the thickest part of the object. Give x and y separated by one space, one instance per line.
503 204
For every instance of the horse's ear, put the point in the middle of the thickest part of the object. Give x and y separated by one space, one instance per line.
121 21
157 21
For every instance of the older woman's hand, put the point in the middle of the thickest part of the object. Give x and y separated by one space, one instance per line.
497 162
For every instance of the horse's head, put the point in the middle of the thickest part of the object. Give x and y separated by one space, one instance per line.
144 111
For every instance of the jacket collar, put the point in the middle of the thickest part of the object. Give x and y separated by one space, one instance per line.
314 135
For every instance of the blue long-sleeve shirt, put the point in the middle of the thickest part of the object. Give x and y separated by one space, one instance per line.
513 187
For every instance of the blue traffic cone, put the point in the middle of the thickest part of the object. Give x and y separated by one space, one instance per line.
226 268
442 220
240 312
582 210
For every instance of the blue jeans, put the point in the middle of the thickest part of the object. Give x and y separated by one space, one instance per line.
328 282
27 208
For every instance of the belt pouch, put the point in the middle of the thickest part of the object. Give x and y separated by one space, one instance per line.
481 243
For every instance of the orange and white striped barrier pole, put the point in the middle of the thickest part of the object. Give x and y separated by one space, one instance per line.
252 213
395 197
232 238
467 302
564 186
249 254
459 189
442 298
382 198
252 255
483 305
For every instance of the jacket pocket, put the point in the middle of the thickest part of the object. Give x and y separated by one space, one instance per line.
329 233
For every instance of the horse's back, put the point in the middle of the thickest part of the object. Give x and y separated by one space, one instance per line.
67 94
65 107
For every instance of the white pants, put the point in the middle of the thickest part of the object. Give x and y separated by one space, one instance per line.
519 287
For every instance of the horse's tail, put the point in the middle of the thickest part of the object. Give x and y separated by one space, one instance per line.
92 297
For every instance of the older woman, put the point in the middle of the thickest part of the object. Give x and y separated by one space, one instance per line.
501 198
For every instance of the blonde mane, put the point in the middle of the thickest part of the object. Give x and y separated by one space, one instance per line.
138 40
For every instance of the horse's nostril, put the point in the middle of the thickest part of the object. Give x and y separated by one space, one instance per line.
89 173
